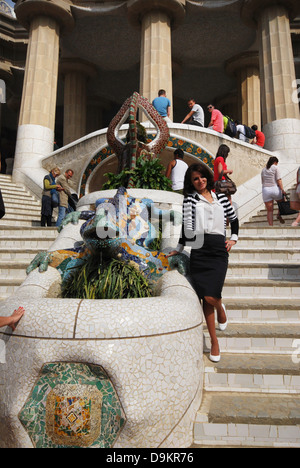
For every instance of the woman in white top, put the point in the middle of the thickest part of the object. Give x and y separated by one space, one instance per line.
272 188
204 227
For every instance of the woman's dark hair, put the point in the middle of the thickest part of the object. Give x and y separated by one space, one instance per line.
188 187
223 152
271 161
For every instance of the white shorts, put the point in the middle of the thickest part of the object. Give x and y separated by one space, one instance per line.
271 193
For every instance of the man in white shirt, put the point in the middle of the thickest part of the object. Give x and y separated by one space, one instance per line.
196 115
177 169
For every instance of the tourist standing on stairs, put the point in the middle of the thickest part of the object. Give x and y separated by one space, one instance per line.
50 190
272 188
63 180
204 230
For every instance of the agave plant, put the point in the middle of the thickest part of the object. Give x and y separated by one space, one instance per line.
109 279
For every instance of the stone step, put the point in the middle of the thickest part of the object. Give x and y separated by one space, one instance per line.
15 268
13 242
262 222
272 271
253 374
20 254
275 232
248 338
24 210
27 231
8 188
258 310
241 420
9 285
287 241
19 198
254 254
264 288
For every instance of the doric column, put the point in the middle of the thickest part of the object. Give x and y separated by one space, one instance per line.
245 68
156 19
76 73
277 69
45 20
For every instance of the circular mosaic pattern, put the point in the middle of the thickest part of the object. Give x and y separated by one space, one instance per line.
73 405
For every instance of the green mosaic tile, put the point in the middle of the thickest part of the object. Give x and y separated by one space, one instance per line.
73 405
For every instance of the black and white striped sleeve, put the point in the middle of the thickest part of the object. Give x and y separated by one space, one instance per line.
230 214
188 222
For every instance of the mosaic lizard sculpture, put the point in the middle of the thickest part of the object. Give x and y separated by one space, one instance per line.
128 154
120 228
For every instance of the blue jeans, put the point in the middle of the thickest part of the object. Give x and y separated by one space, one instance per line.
62 211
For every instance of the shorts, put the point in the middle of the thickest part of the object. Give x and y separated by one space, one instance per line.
271 193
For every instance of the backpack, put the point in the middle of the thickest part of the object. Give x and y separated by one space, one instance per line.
231 128
249 133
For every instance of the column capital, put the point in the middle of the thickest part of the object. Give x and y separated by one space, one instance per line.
251 9
76 65
59 10
175 9
244 60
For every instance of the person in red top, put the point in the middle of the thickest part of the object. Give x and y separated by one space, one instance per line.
260 138
220 162
217 122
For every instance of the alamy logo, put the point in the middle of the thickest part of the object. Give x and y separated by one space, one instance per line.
2 92
296 93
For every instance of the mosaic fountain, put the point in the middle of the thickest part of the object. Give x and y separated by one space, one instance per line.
113 372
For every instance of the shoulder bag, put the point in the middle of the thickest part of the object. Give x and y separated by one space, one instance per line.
285 207
225 186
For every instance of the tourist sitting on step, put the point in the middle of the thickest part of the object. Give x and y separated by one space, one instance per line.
13 319
272 188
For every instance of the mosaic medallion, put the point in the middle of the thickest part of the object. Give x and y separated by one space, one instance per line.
73 405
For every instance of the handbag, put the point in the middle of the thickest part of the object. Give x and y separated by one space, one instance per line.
285 207
225 186
54 198
2 206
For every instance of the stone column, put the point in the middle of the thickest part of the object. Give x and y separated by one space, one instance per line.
75 74
35 137
280 113
156 19
245 68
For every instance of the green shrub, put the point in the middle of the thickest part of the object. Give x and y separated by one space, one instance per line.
148 174
109 279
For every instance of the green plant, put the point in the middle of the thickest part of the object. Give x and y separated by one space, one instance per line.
148 174
109 279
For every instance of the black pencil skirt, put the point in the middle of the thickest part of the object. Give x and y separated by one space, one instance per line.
209 266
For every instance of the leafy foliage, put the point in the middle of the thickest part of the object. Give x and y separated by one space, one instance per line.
148 174
109 279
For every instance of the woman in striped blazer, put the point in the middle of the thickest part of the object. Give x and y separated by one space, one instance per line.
205 217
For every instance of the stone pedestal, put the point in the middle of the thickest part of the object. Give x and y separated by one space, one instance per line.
37 114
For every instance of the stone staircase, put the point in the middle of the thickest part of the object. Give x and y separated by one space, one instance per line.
252 397
21 236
